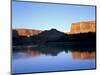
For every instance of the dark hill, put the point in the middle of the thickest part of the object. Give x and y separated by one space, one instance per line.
51 35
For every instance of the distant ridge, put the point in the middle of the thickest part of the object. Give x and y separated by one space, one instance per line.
76 28
27 32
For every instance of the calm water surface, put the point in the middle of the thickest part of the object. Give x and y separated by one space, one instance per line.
51 58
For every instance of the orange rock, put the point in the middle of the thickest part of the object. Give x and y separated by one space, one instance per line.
83 27
27 32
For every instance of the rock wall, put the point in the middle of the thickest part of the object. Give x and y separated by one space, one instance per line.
27 32
83 27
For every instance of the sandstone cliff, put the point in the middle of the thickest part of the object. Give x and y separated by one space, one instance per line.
27 32
83 27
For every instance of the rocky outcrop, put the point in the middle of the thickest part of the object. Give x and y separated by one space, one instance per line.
50 35
27 32
83 27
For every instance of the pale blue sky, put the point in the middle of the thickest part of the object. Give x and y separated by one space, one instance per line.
46 16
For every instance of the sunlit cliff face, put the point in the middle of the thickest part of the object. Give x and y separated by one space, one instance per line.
83 55
27 32
83 27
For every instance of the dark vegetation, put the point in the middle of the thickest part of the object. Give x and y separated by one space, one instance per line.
55 37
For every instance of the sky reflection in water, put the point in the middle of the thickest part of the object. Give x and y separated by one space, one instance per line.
48 58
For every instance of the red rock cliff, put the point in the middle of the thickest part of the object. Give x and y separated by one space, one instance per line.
27 32
83 27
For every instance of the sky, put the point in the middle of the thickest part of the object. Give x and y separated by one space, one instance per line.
43 16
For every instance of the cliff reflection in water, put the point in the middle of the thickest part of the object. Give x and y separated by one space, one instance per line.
83 55
77 53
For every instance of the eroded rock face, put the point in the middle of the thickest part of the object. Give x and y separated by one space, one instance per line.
27 32
83 27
